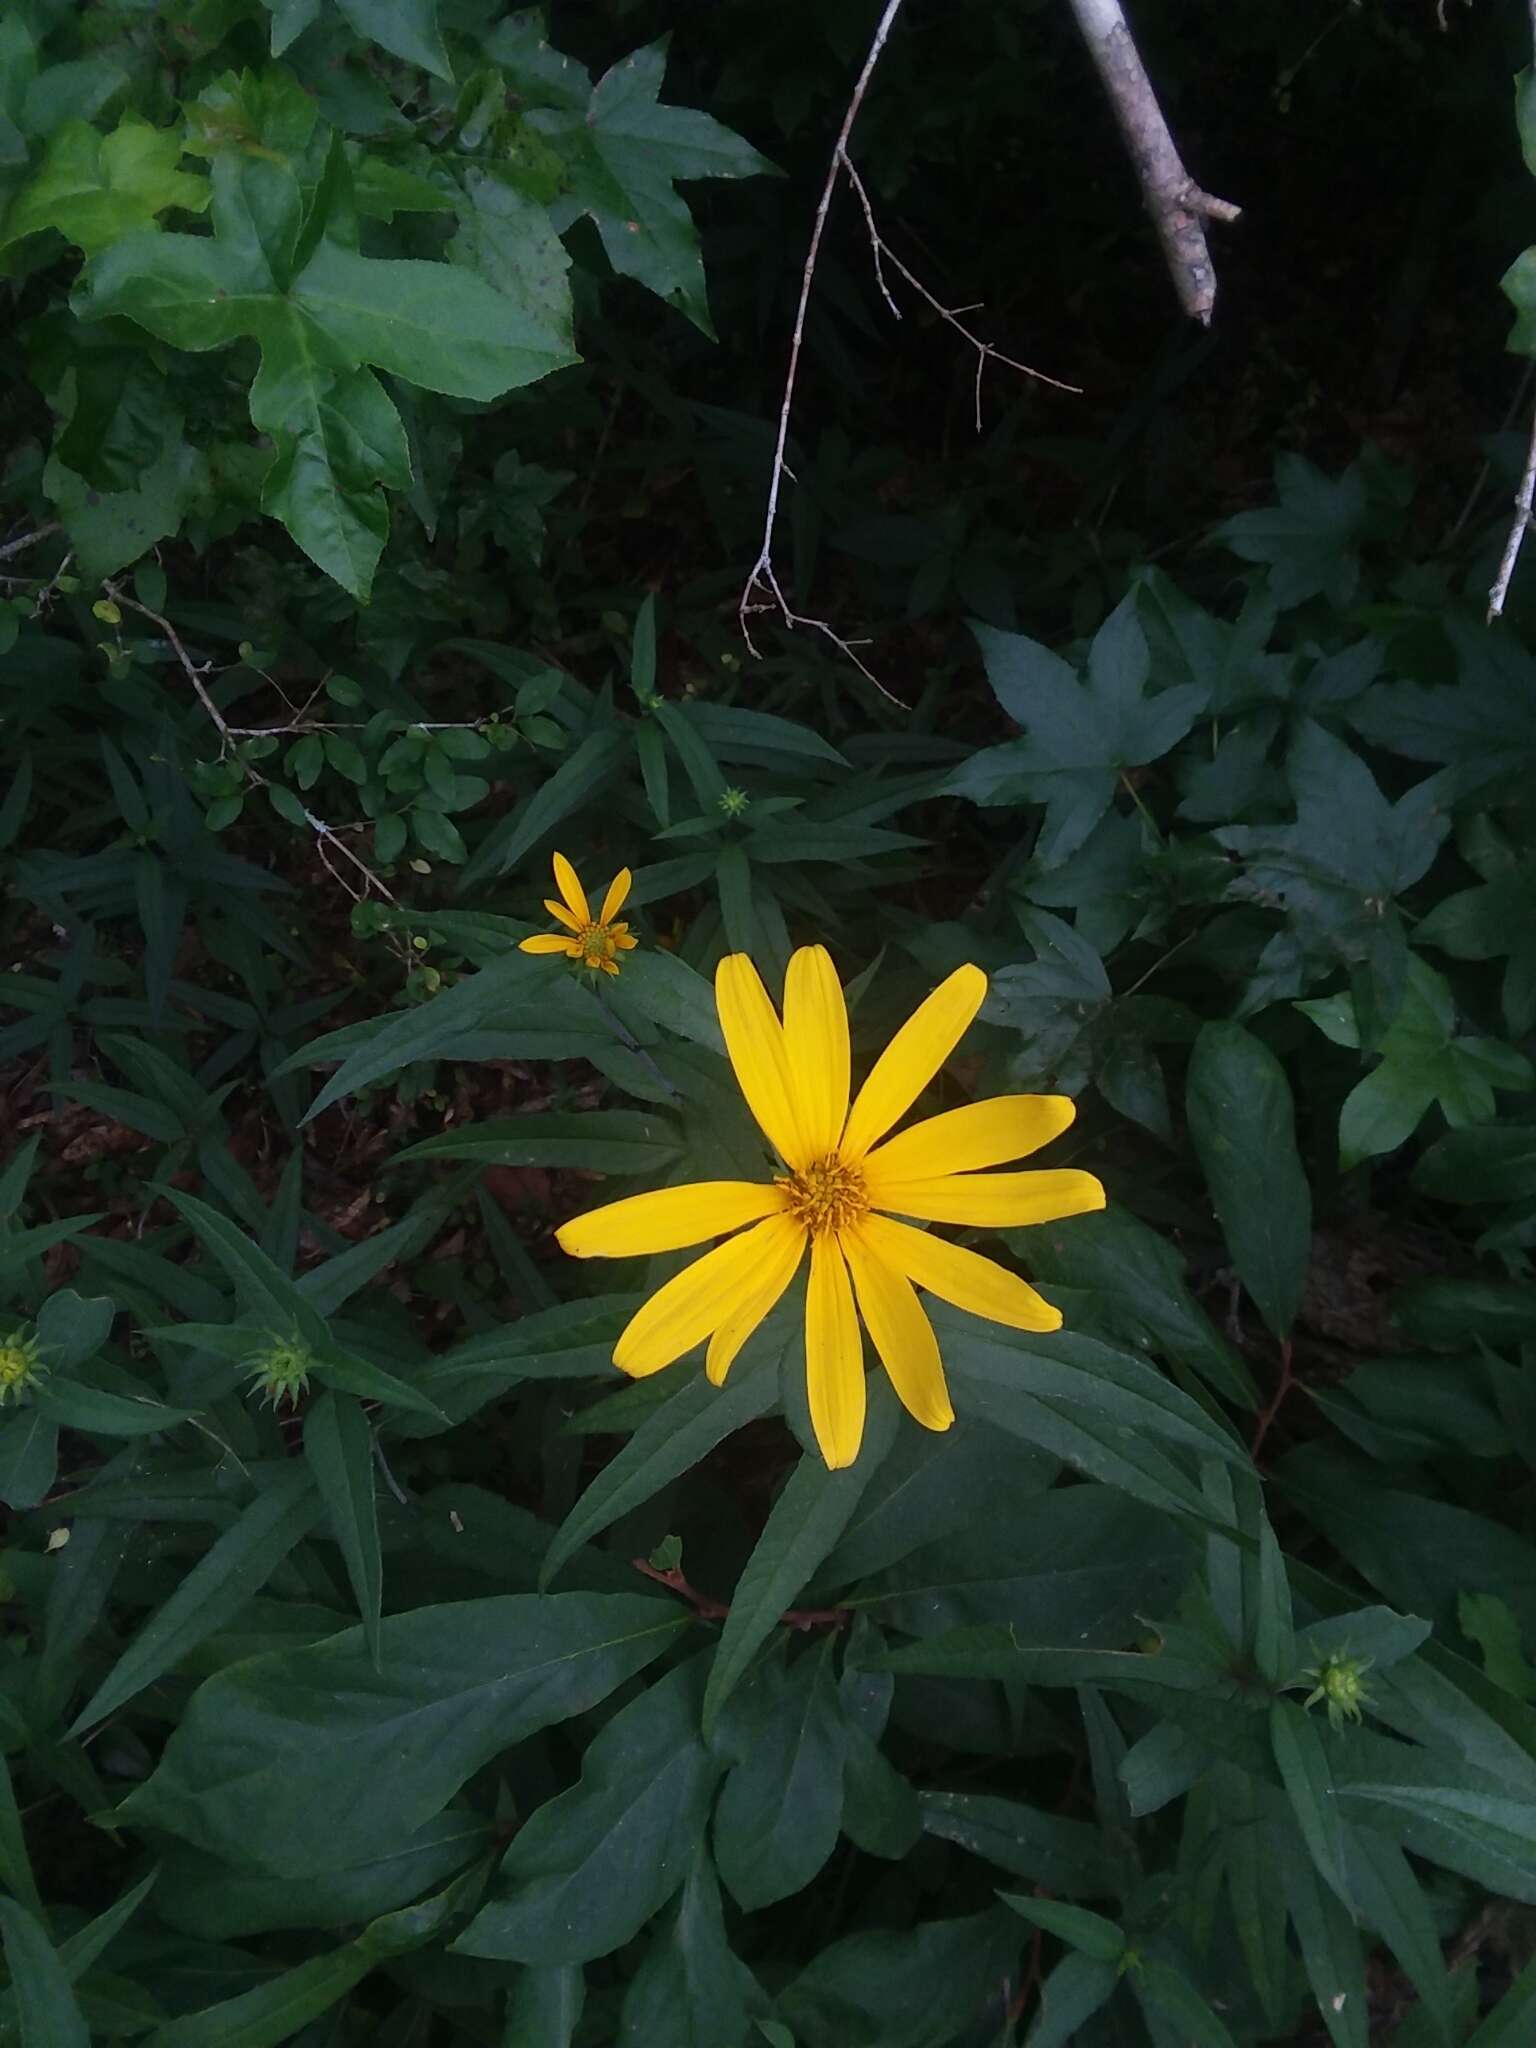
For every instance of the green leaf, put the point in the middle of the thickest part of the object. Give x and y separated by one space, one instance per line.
29 1457
1090 1932
1164 1991
777 1819
97 188
689 1422
46 2006
15 1863
596 1140
1081 737
544 2008
1243 1125
214 1591
806 1520
73 1405
1060 1855
1509 2024
590 1867
587 769
668 992
1311 540
622 153
1073 1992
268 1294
322 333
338 1445
933 1981
1331 1949
406 28
273 2012
71 1329
1391 1900
1308 1781
1496 1164
277 1762
690 1991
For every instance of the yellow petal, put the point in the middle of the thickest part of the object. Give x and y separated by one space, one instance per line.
834 1356
902 1333
754 1038
981 1134
668 1219
622 939
571 890
608 966
548 942
613 902
993 1201
816 1039
693 1304
955 1275
561 915
912 1058
777 1261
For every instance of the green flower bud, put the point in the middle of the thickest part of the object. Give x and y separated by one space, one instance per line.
1339 1685
281 1372
20 1365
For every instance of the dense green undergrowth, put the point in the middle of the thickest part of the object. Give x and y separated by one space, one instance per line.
380 1664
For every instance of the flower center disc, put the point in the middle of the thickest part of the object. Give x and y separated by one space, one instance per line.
826 1196
596 944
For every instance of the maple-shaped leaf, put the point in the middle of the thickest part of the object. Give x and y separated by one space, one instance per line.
1311 539
623 153
1423 1062
1337 872
1081 736
1483 725
325 318
95 188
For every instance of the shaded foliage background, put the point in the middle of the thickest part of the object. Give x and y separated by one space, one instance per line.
344 1714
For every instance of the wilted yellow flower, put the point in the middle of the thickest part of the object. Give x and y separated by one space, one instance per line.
839 1178
593 942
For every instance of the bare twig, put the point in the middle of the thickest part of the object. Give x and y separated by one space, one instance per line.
762 591
1522 392
27 540
1178 206
327 839
985 352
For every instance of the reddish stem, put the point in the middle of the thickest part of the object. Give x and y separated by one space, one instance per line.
1283 1387
707 1608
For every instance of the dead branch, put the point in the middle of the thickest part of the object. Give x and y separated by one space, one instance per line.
1178 206
1523 496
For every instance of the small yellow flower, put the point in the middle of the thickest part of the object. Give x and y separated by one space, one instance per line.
592 942
839 1176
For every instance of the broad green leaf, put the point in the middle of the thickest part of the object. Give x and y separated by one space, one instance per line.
96 188
588 768
806 1520
1386 1888
1090 1932
1079 1564
274 2011
216 1588
15 1862
933 1981
266 1291
690 1991
545 2006
1060 1855
689 1422
1486 1164
406 28
74 1405
1309 1785
1074 1991
29 1457
322 334
276 1764
1081 737
338 1445
589 1868
1243 1124
670 993
777 1819
1311 540
597 1140
1166 1992
1331 1949
46 2007
622 154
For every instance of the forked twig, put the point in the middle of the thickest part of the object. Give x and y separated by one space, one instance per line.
708 1608
762 591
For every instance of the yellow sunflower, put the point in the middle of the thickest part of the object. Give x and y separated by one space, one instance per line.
836 1193
592 942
